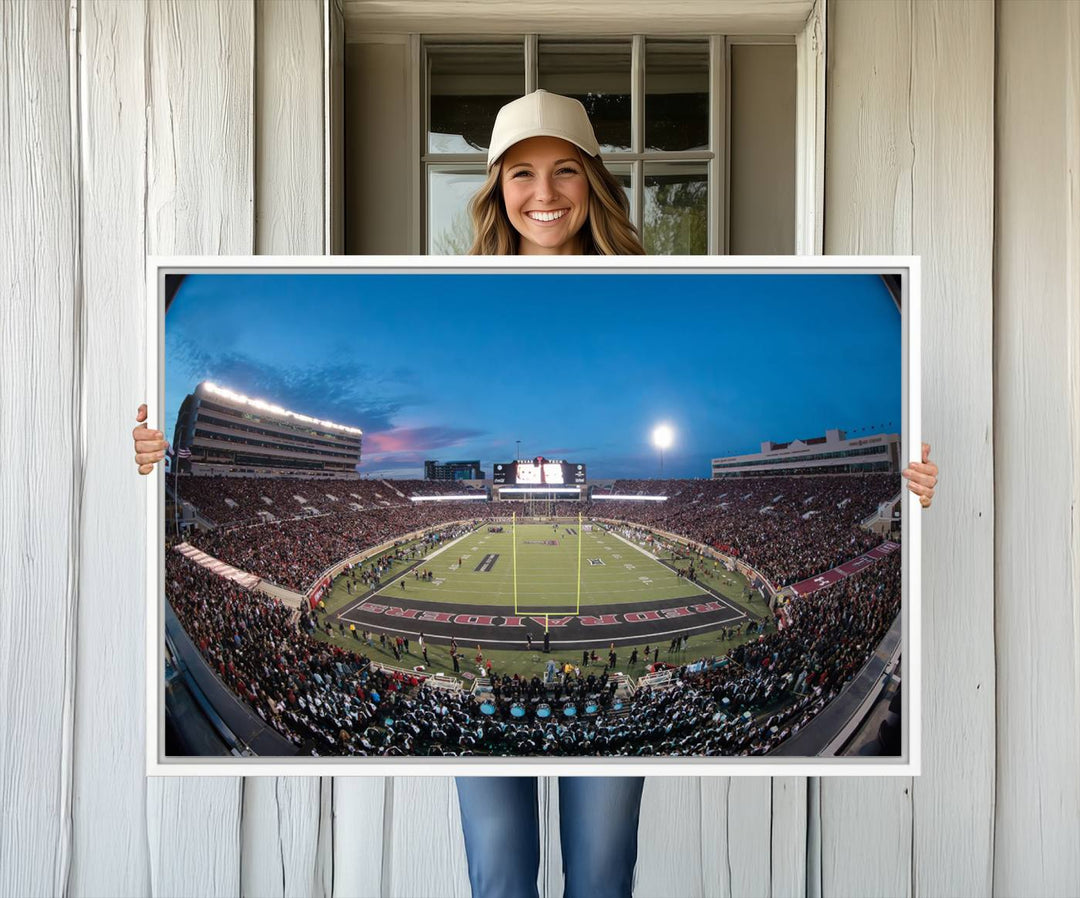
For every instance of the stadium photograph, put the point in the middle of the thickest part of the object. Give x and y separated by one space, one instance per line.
550 515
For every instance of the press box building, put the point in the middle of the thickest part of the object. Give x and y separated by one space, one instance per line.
833 453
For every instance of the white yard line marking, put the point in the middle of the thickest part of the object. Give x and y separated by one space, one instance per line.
636 548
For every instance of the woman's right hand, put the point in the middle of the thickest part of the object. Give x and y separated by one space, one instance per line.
150 445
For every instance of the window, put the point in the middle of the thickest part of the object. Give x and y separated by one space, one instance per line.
663 109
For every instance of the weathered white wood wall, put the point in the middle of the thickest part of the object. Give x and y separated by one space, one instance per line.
909 149
200 127
1037 450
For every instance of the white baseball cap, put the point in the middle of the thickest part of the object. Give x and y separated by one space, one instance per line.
541 114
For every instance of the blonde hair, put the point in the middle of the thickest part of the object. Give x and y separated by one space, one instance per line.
608 230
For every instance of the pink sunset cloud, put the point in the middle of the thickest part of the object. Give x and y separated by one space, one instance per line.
416 439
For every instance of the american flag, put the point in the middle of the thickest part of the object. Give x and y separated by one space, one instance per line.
184 453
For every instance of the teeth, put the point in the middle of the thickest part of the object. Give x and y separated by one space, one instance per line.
547 216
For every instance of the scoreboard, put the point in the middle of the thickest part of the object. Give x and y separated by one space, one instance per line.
538 471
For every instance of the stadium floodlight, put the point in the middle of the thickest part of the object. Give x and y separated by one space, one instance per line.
662 436
471 497
260 404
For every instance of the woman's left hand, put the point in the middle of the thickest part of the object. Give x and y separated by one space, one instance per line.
922 477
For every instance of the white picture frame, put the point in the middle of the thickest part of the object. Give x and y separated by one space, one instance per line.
907 764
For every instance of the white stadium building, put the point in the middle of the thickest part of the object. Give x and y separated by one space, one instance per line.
833 453
228 433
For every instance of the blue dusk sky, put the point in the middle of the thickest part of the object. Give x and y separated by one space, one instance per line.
576 366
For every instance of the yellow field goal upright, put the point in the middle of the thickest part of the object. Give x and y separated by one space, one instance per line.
536 612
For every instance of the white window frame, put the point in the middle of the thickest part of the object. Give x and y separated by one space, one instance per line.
809 40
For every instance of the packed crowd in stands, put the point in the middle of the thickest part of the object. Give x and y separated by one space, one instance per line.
332 701
294 553
789 528
233 500
311 693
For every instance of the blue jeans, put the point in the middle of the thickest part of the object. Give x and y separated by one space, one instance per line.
598 828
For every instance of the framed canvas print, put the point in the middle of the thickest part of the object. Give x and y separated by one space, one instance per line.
489 515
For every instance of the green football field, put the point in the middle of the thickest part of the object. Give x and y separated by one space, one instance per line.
536 569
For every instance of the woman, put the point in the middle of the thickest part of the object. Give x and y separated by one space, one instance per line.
547 193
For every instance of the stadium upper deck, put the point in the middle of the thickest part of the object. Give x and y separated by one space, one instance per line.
833 453
228 433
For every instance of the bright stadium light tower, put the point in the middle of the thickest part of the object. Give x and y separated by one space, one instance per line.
662 437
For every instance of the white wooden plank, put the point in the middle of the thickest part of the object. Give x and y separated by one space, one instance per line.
749 845
200 186
110 740
671 838
289 127
1037 824
199 200
280 837
926 113
282 815
866 837
193 828
360 809
40 442
869 158
953 230
736 826
424 851
868 151
715 875
788 842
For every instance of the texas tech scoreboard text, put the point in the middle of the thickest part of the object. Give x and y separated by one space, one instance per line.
539 472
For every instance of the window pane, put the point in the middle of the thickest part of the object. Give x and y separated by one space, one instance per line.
597 74
623 174
676 95
676 209
449 191
467 84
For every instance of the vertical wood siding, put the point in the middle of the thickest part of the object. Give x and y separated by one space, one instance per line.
182 127
1036 368
424 850
109 821
361 806
868 195
41 456
199 201
282 816
952 130
909 152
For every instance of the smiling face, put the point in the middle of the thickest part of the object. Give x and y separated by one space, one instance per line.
546 195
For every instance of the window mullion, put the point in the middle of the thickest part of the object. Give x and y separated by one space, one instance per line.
532 62
637 129
718 107
419 144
